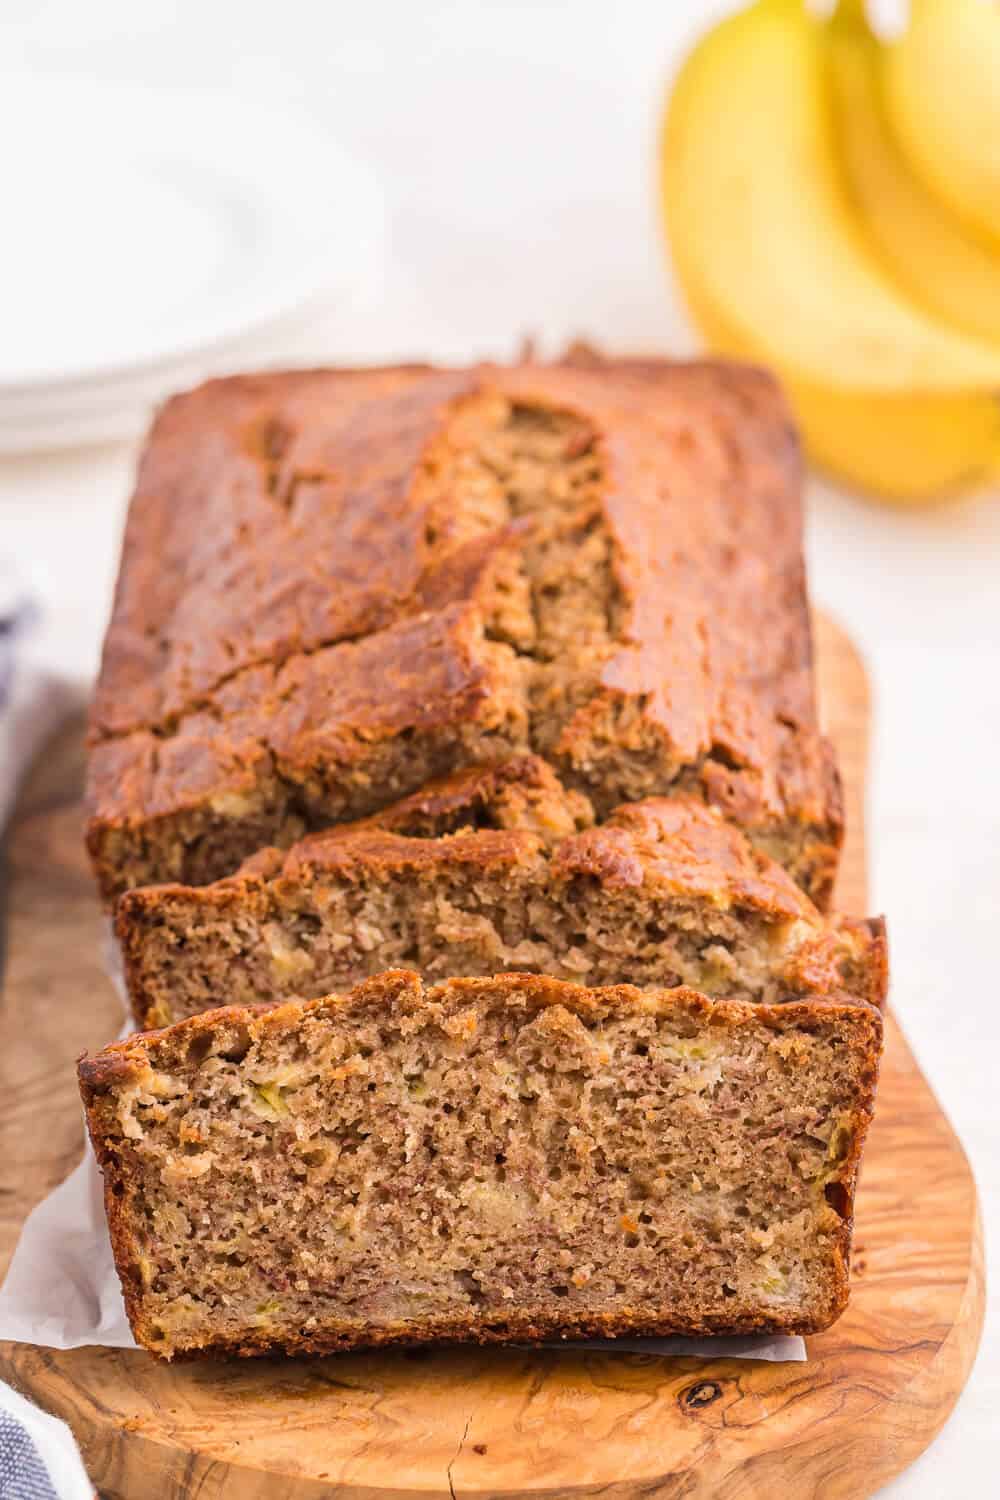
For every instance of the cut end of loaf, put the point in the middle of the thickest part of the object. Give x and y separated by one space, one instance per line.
497 1159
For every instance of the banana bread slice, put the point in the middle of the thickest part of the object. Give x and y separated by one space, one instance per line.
336 585
512 1158
665 892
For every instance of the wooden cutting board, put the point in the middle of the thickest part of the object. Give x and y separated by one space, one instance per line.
513 1423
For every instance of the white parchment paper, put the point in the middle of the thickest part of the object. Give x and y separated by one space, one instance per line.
62 1289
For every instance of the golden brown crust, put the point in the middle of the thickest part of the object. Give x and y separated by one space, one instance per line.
299 586
852 955
680 846
171 1049
319 710
217 576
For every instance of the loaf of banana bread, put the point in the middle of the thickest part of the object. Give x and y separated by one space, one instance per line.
511 1158
338 585
664 892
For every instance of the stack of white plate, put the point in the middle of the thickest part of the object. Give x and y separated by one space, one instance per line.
150 239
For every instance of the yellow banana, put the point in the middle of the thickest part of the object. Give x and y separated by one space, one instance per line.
922 245
769 257
943 99
913 449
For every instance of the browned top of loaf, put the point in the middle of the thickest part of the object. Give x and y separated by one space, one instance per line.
424 670
308 562
171 1047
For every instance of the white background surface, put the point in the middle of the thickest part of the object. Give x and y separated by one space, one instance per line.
514 145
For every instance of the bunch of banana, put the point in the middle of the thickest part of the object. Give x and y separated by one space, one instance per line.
833 209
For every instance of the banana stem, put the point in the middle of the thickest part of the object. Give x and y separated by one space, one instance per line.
851 11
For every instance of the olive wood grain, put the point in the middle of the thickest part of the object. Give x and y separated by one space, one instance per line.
464 1422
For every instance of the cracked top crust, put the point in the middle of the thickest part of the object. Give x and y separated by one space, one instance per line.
335 579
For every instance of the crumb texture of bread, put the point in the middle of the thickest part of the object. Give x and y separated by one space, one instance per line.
484 1159
337 586
664 892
